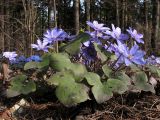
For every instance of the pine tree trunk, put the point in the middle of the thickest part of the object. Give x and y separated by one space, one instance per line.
49 13
7 26
123 15
55 13
88 12
126 14
117 12
155 24
2 25
76 7
146 33
157 34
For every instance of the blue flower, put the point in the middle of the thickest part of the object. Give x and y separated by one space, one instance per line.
152 60
54 35
129 56
158 60
88 51
110 47
41 45
116 34
96 36
97 27
10 55
35 58
21 58
138 37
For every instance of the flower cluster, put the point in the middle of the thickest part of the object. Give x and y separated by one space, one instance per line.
152 60
50 37
125 54
129 56
88 52
111 39
15 59
10 55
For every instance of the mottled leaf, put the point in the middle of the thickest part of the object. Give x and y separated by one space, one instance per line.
141 82
20 84
123 77
154 70
92 78
74 46
101 55
107 71
59 61
31 65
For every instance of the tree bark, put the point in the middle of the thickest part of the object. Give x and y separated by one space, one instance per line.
76 7
155 24
49 13
117 12
146 32
88 12
2 25
123 14
7 26
55 13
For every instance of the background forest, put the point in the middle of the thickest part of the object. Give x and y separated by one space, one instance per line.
22 22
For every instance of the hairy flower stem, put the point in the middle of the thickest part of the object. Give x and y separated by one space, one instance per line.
118 68
109 44
118 58
57 47
116 61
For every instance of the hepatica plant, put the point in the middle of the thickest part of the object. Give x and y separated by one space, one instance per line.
92 66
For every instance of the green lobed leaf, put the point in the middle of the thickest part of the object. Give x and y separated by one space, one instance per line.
123 77
107 71
100 54
154 70
67 90
74 46
141 82
20 85
43 64
100 93
71 93
115 85
93 79
134 68
98 90
59 77
31 65
78 70
59 61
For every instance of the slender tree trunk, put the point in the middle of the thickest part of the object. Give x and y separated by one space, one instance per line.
126 14
76 7
2 25
55 13
7 25
157 34
49 13
88 12
117 12
146 35
155 24
123 14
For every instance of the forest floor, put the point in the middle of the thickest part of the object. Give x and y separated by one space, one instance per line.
129 106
